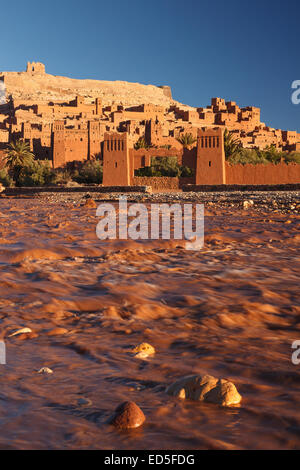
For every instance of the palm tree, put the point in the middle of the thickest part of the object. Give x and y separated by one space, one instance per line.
141 144
18 156
186 139
232 145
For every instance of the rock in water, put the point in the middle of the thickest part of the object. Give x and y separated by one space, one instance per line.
45 370
225 394
127 416
143 350
21 331
247 204
206 388
2 188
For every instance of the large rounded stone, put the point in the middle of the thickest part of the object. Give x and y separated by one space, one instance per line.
143 350
127 416
205 388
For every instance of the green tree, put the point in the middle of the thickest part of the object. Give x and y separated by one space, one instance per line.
232 145
5 179
271 154
293 157
18 156
91 172
37 173
244 156
164 166
141 144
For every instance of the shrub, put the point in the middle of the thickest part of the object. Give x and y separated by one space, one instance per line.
186 171
271 154
293 157
245 156
36 174
160 167
63 176
90 172
5 179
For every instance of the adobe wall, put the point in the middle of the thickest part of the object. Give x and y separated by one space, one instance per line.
73 108
189 157
4 136
139 113
38 136
76 144
95 139
154 135
270 174
163 183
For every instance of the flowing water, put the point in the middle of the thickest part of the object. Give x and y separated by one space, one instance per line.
231 310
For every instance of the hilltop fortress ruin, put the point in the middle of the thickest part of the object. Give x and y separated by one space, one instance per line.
67 120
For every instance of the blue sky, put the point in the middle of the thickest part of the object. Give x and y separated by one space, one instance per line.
245 51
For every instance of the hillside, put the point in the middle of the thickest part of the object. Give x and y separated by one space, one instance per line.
42 87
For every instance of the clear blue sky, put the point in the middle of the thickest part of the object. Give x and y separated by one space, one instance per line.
241 50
